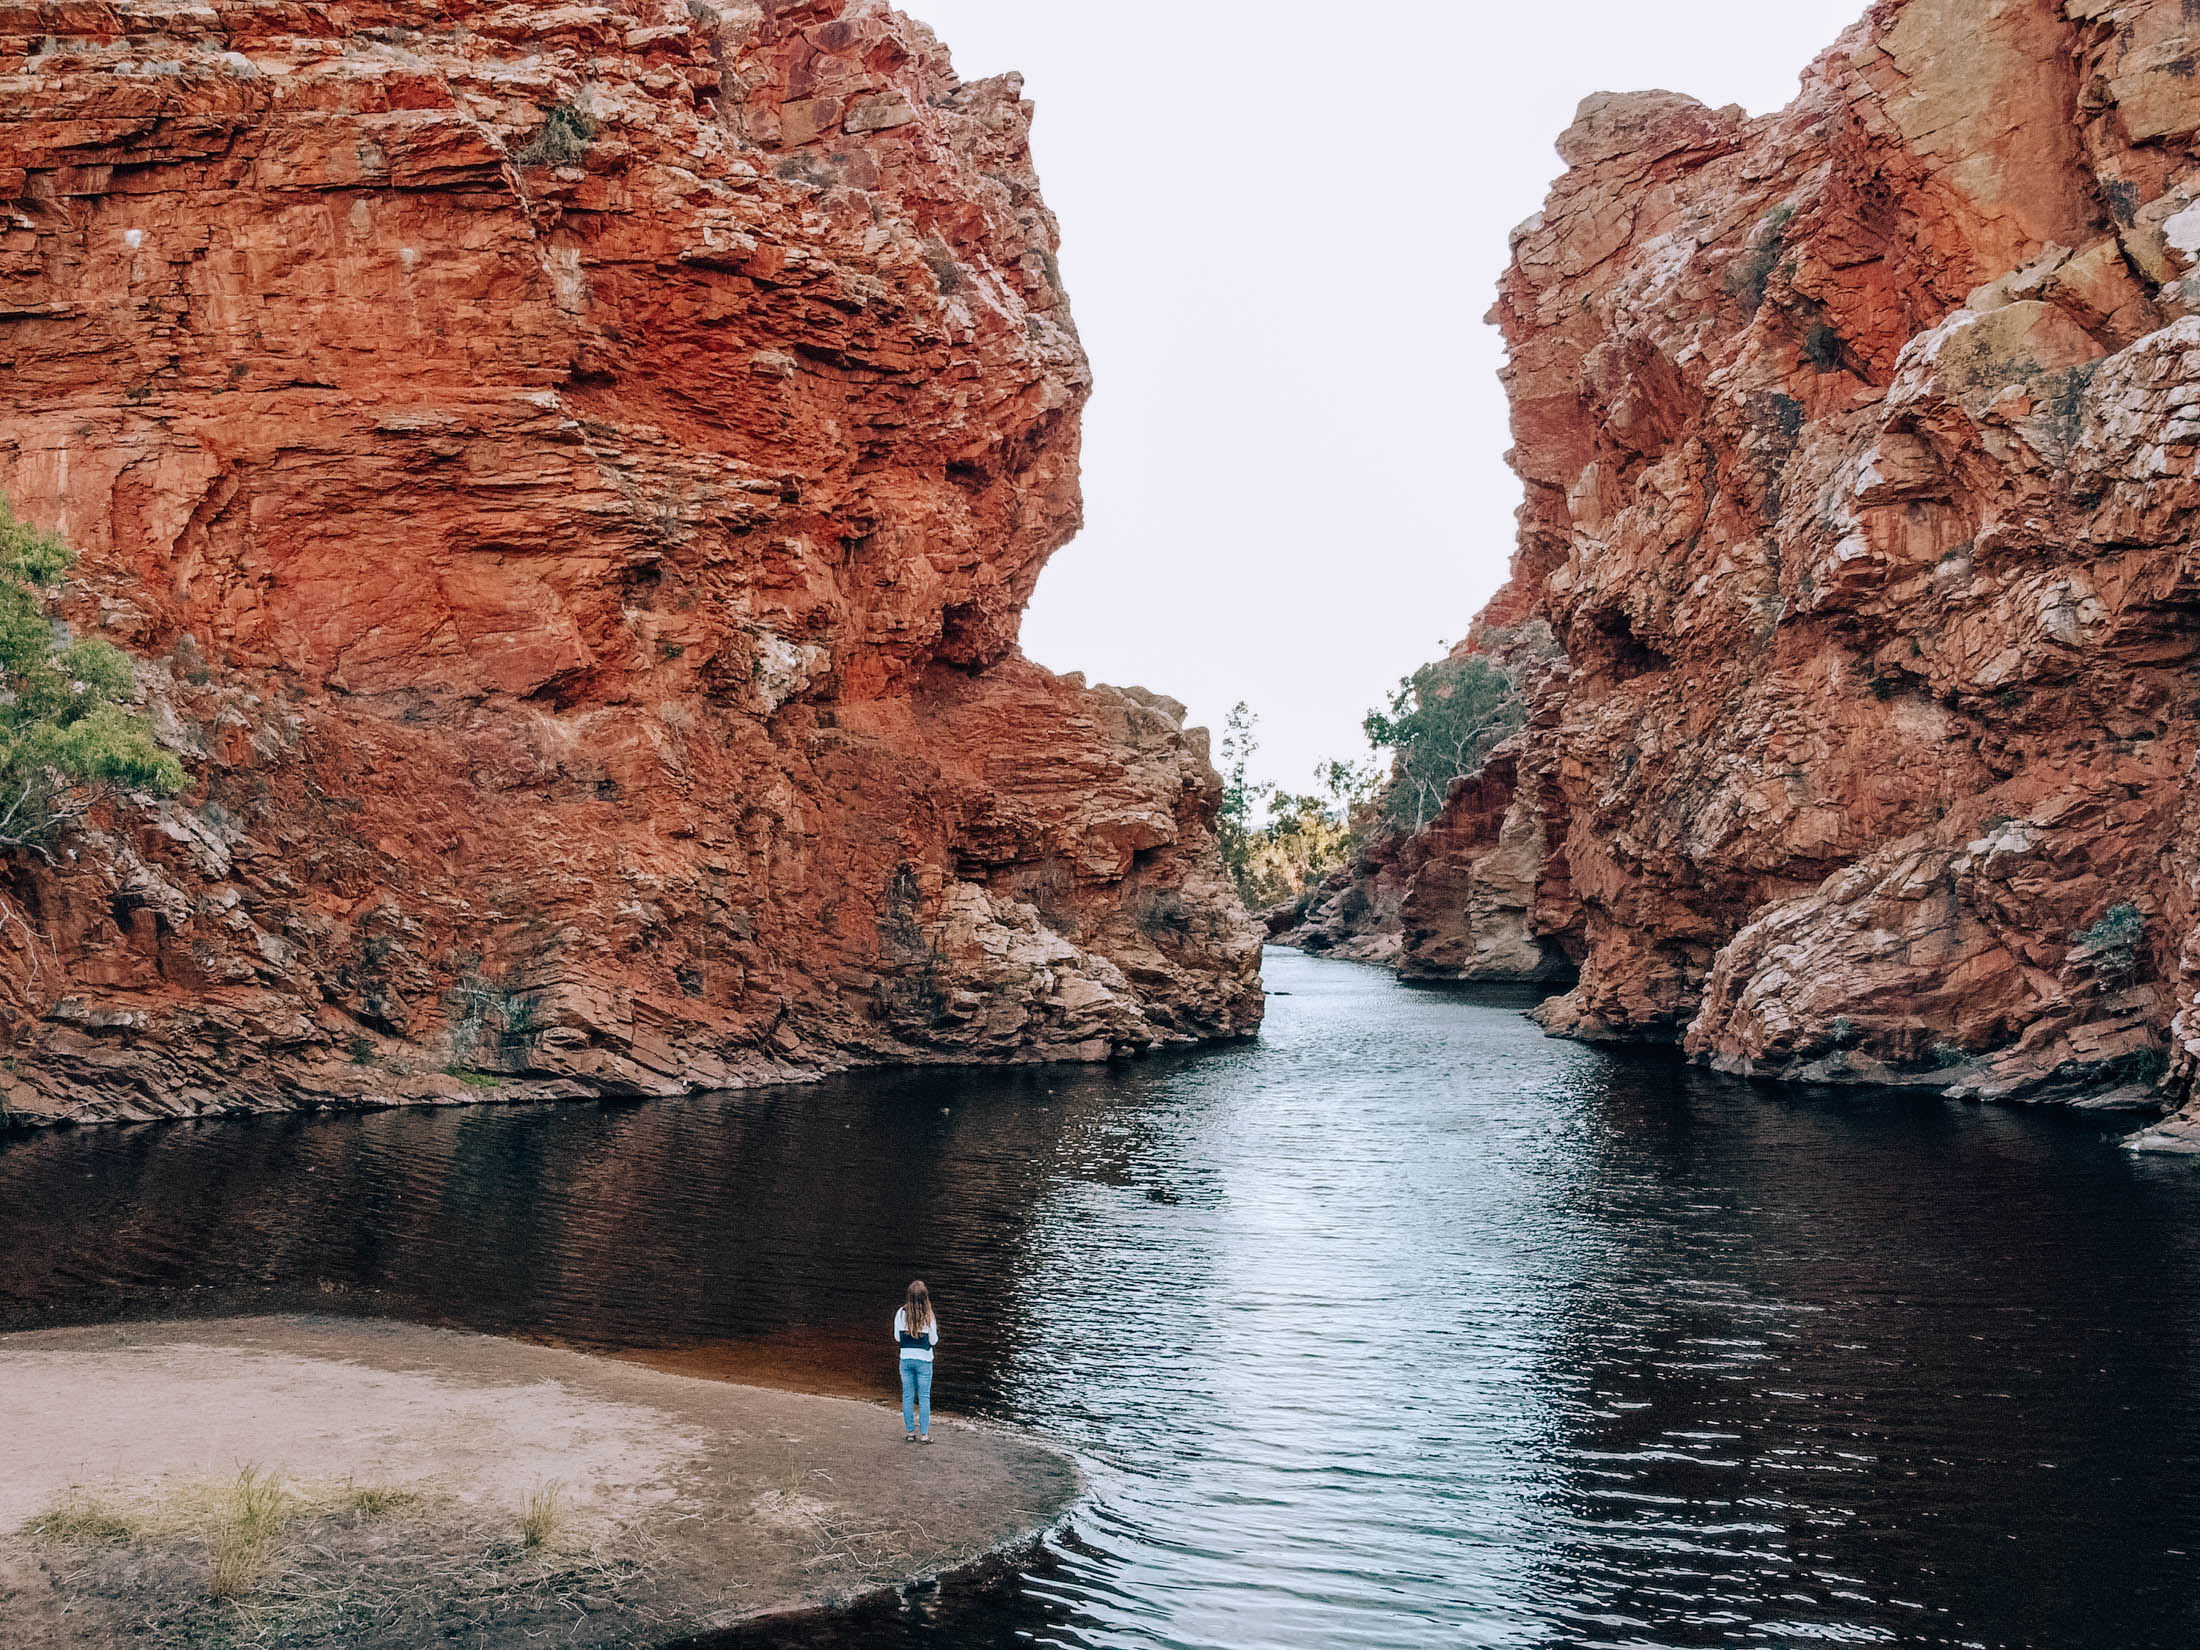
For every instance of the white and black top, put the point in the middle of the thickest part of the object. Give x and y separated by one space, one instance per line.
916 1347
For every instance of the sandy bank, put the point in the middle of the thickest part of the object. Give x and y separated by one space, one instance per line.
409 1461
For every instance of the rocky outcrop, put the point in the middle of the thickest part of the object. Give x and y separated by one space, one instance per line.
572 475
1859 448
1353 914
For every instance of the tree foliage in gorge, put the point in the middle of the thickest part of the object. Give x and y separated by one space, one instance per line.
67 733
1443 722
1239 794
1304 837
1309 835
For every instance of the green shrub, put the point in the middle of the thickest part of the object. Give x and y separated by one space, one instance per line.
1823 348
1749 275
564 138
2121 924
2115 938
67 733
2146 1068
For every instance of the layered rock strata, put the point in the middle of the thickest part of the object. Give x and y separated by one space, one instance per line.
572 475
1859 444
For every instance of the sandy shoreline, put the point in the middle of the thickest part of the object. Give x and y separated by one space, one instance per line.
409 1461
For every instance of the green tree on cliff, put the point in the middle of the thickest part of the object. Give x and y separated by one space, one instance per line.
66 730
1442 724
1443 721
1239 794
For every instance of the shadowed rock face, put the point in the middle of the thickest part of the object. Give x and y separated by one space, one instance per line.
574 475
1859 447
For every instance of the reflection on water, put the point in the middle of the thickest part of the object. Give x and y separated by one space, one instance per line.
1402 1327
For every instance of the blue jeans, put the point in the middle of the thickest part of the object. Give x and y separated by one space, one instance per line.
916 1395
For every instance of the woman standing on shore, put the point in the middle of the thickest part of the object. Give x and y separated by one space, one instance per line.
917 1332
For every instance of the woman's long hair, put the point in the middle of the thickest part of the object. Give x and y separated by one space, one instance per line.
919 1308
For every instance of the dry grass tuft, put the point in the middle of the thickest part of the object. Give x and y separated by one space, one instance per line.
249 1516
376 1500
539 1521
83 1518
448 1582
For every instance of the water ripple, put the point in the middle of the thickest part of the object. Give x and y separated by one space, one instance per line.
1404 1327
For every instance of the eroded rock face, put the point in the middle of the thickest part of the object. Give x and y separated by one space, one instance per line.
1859 444
574 475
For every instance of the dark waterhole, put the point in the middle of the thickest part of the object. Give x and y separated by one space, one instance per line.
1402 1327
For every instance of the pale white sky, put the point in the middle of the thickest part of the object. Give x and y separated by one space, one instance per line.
1283 221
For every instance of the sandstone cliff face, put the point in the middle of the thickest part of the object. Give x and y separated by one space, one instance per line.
574 474
1859 445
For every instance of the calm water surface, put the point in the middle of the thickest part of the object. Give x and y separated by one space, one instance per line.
1402 1327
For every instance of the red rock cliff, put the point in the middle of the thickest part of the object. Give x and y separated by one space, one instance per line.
1859 444
573 475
